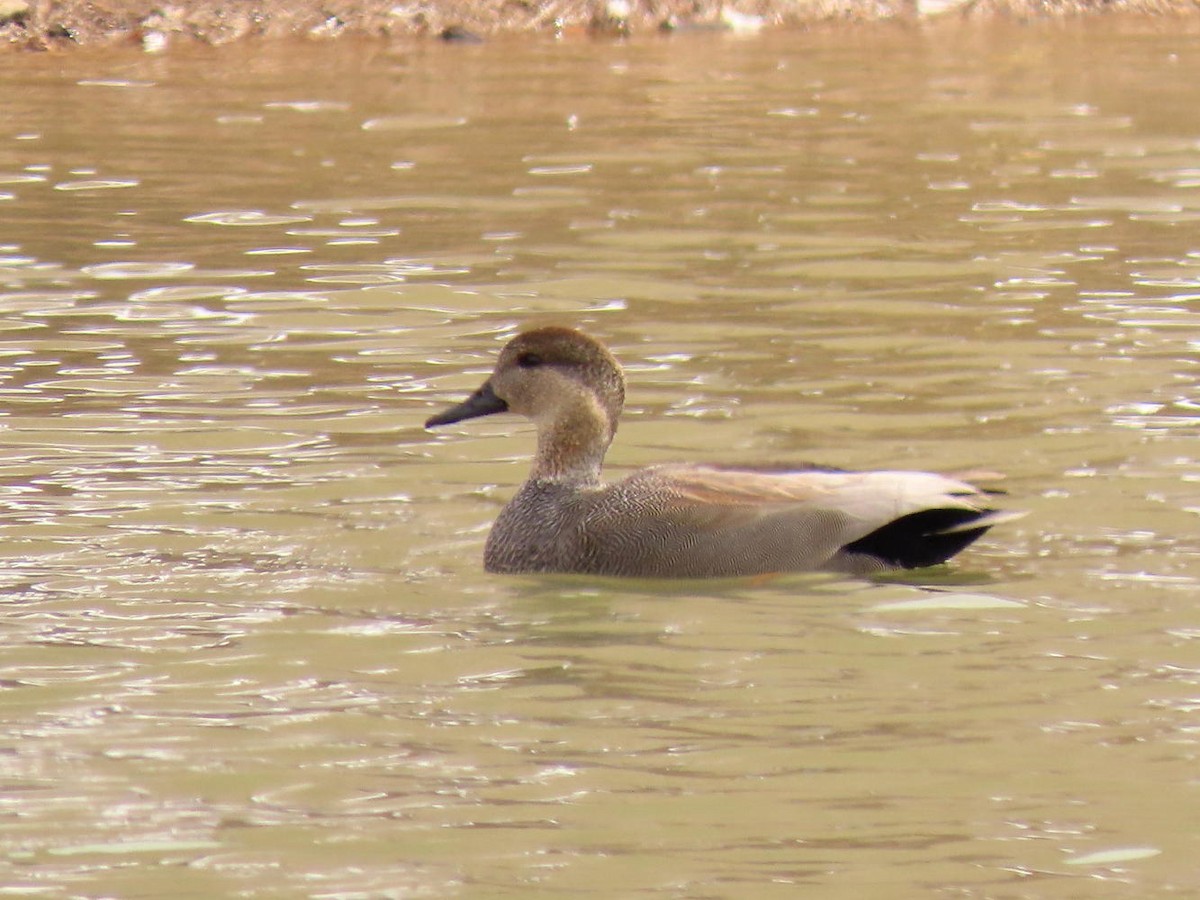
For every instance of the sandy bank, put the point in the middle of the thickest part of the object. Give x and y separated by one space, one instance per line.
155 26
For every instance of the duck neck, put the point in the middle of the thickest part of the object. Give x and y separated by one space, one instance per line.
572 444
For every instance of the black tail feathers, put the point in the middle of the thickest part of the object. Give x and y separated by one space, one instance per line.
923 538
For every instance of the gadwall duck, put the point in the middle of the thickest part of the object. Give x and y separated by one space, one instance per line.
692 521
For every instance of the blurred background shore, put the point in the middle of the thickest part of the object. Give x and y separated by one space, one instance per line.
50 25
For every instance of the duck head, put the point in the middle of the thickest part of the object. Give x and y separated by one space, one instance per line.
567 383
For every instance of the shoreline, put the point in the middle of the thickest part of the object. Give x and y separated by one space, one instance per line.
154 27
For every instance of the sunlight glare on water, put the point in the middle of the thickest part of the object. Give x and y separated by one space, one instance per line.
249 647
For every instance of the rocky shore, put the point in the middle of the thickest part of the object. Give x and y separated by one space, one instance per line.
155 26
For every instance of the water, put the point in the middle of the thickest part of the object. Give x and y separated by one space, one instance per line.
248 646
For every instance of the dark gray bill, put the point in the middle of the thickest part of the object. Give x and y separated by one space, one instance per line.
481 403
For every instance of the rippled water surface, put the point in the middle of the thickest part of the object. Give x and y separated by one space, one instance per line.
248 648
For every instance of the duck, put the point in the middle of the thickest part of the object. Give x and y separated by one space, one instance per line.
692 520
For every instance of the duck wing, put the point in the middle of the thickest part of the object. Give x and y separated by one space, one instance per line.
711 520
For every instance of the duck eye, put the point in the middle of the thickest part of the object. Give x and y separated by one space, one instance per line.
529 360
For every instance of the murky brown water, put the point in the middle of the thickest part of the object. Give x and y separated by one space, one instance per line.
248 646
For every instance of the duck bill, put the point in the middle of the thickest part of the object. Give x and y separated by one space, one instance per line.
483 402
